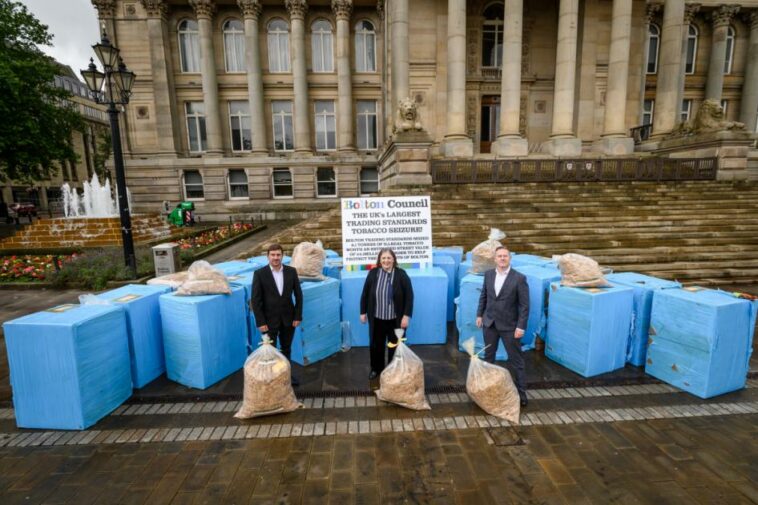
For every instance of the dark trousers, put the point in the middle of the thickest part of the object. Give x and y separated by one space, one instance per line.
383 330
285 335
515 363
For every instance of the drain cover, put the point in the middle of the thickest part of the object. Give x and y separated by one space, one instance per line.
504 436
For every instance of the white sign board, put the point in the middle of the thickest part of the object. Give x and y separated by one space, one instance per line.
402 223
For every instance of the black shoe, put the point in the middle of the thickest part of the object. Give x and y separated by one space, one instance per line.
373 375
295 382
524 402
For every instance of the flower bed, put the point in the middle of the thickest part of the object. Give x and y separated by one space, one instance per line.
30 268
213 237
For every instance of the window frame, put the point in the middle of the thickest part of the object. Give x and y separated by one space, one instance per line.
199 121
278 34
359 116
240 118
731 41
685 107
361 181
333 181
322 35
651 112
283 117
238 37
195 43
650 37
693 38
499 31
325 116
364 34
229 184
724 106
274 184
184 185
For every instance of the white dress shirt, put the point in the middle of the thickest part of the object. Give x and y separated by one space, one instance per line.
500 280
278 278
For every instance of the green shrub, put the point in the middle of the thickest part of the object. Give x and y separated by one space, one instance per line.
95 268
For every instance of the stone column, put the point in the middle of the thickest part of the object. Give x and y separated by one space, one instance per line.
669 68
164 99
345 120
509 141
297 10
689 14
722 16
251 11
457 143
204 12
399 52
616 140
562 141
749 109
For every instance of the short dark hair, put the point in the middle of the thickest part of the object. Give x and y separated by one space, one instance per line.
382 251
501 247
274 247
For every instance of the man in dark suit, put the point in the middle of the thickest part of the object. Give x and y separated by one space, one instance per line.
271 301
503 312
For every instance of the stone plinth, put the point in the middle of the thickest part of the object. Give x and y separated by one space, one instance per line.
730 147
87 232
559 147
405 160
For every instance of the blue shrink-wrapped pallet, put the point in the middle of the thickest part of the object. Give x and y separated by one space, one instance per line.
143 324
700 340
447 265
320 333
519 260
588 328
428 324
235 267
538 277
455 252
465 315
245 280
69 365
263 260
644 286
463 271
204 337
331 253
333 267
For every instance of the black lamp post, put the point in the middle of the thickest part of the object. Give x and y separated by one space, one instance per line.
113 87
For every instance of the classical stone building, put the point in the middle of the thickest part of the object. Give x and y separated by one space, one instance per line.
248 106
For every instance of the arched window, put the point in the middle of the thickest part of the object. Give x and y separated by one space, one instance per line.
321 45
278 46
653 39
189 46
492 36
689 64
365 47
729 51
234 45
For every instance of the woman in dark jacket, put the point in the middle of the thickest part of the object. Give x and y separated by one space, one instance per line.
387 304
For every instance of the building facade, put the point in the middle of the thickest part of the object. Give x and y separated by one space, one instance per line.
247 105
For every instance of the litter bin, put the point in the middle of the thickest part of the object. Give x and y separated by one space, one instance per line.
166 258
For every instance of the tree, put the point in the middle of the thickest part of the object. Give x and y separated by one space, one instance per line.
102 151
37 119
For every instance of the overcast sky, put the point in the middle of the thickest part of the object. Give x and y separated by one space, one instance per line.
73 24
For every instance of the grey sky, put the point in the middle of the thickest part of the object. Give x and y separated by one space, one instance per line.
73 24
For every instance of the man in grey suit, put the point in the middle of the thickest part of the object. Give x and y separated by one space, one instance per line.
502 313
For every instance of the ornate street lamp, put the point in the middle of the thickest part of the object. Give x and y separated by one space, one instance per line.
114 87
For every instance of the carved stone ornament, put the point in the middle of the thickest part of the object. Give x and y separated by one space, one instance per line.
203 8
155 8
751 19
651 12
105 8
408 119
250 8
689 12
342 8
296 8
709 118
723 14
380 8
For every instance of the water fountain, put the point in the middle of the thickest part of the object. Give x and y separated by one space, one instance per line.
95 201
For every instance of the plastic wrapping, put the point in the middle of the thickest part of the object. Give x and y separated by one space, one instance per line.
245 280
308 259
263 260
587 329
456 253
580 271
69 365
700 340
491 387
519 260
203 279
204 337
428 324
465 316
331 253
333 267
237 267
143 323
320 333
268 389
483 255
447 265
171 280
538 278
402 381
644 287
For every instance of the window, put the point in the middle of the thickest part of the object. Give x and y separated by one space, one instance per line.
490 121
492 36
193 185
367 127
369 180
239 122
237 184
724 105
326 125
648 107
278 46
365 47
196 126
326 183
282 120
234 45
686 110
282 181
321 44
729 51
654 39
691 57
189 46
